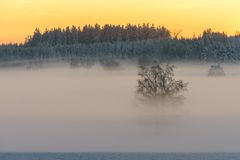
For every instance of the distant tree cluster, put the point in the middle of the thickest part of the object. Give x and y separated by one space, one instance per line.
219 47
94 34
144 42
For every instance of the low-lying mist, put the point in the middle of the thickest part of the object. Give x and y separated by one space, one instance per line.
58 108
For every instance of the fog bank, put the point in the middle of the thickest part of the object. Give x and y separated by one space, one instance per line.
63 109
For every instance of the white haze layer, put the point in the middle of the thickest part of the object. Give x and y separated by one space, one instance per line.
58 109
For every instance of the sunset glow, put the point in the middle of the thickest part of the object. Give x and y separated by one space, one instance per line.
19 18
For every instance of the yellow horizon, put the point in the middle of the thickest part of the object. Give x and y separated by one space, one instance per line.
19 18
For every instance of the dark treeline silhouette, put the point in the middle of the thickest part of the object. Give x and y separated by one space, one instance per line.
94 34
143 42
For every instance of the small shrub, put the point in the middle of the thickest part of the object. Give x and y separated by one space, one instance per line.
81 62
109 63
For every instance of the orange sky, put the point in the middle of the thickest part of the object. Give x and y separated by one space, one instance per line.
19 18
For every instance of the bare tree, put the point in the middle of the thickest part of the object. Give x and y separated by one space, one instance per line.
157 82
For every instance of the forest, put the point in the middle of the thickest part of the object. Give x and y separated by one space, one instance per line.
132 42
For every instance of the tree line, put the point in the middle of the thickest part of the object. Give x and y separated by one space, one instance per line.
142 42
95 34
